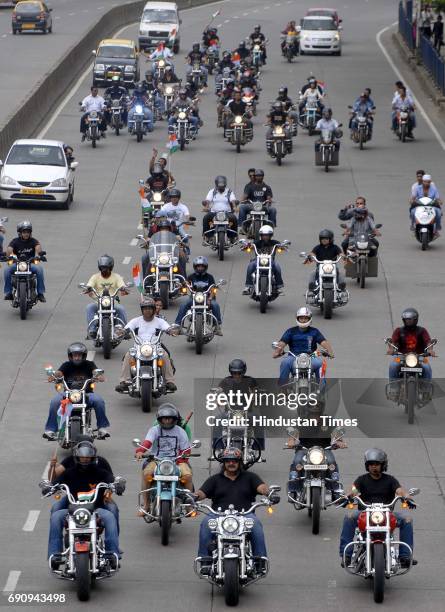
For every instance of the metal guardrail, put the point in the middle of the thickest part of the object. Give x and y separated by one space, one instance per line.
406 28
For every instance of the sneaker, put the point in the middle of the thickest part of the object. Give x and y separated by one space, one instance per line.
103 135
246 290
49 435
102 433
260 565
112 560
218 331
405 562
56 561
83 138
8 296
121 387
170 386
41 297
93 334
280 288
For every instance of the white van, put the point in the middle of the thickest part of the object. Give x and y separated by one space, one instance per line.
159 23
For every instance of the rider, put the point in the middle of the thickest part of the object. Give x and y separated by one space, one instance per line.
402 100
362 106
210 36
348 211
93 102
377 487
161 52
265 244
144 327
319 85
301 338
235 487
196 56
242 51
165 440
225 62
158 179
426 189
183 101
235 107
140 98
25 245
362 223
177 210
278 117
257 191
116 92
288 107
258 35
326 250
104 279
328 123
83 477
76 371
224 97
161 223
201 280
291 30
220 199
312 92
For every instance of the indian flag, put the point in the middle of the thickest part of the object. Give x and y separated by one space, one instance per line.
84 496
137 278
172 35
172 144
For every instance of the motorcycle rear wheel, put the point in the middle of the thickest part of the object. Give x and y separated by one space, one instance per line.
379 572
83 579
231 582
165 522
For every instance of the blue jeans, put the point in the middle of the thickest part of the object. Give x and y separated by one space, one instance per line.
193 120
93 400
276 271
62 504
350 523
92 309
57 521
216 311
256 537
148 116
287 367
244 209
438 211
394 371
2 239
37 270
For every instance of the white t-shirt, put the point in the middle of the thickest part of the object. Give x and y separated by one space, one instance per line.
93 103
220 201
180 209
167 442
147 329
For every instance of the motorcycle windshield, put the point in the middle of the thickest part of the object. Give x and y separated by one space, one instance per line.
163 242
326 136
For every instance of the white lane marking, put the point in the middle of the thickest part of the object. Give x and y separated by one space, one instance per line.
245 14
11 583
91 355
400 77
57 18
71 14
45 472
266 8
219 25
31 521
126 261
134 242
226 20
100 8
235 17
4 35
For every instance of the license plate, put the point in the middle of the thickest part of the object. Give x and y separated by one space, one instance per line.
416 370
164 278
166 478
316 467
316 482
33 191
28 26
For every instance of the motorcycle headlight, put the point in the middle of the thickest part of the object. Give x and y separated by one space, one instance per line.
362 245
303 361
166 468
182 115
411 360
129 68
161 63
164 259
100 67
220 216
315 456
82 517
169 90
146 350
61 182
278 130
230 524
328 268
238 119
377 517
75 397
199 298
138 109
258 206
22 266
361 119
8 180
157 197
93 115
256 48
264 261
106 302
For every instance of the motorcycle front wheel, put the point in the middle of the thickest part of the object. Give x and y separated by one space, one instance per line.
106 338
83 579
165 522
221 244
362 273
379 572
231 582
164 294
424 241
328 303
411 399
316 509
263 294
146 395
199 333
23 301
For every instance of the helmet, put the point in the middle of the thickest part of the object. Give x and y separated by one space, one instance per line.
221 181
84 450
304 311
327 113
326 234
242 45
165 224
174 193
282 91
105 261
167 410
147 302
200 261
266 230
182 92
257 27
24 226
227 53
164 157
410 313
77 347
148 74
231 454
195 46
277 105
157 169
376 455
237 366
259 172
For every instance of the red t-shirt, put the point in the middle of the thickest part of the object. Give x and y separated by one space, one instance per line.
411 340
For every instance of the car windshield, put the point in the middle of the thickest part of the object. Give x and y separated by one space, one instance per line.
322 13
318 24
36 155
159 16
115 51
27 7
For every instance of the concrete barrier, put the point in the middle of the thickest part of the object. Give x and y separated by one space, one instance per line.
45 96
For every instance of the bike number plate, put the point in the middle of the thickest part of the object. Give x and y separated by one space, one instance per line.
415 370
316 467
166 478
316 482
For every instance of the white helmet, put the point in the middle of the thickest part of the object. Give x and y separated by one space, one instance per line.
304 311
266 230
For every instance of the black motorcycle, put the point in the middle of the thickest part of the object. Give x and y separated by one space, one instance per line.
24 281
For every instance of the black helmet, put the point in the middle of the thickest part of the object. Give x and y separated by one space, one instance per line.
149 74
174 193
221 181
85 449
376 455
24 226
282 91
165 224
77 347
105 261
326 234
147 302
277 105
257 27
195 46
237 366
157 169
231 454
200 261
259 172
167 410
242 45
410 313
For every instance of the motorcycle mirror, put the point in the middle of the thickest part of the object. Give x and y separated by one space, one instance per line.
274 488
291 431
414 491
73 165
82 285
98 372
196 443
434 341
340 125
141 182
338 433
136 442
93 52
387 340
192 218
379 225
303 254
140 236
349 106
222 282
275 344
3 219
47 483
1 162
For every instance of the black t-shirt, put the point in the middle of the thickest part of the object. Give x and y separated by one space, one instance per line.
277 117
266 247
245 384
69 463
76 375
381 491
257 192
201 282
24 248
237 108
330 252
223 491
195 57
172 79
83 480
158 183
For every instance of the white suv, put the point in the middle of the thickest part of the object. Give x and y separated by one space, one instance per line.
159 23
320 35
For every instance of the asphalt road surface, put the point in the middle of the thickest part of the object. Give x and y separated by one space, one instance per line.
305 570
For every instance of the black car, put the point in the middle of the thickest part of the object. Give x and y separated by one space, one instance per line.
116 57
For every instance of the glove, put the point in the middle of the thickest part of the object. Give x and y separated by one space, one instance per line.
45 486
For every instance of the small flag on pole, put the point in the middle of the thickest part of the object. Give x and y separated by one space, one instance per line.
172 144
172 35
137 278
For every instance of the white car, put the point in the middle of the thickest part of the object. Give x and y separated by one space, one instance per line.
37 171
160 22
320 34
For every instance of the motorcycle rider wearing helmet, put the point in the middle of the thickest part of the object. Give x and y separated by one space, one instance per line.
165 440
427 189
257 35
140 98
144 327
319 85
278 116
328 123
377 487
362 107
183 101
288 107
220 199
104 279
224 97
177 210
242 51
312 92
233 486
76 371
161 223
116 92
361 223
150 88
264 244
210 37
410 338
291 30
326 250
303 338
93 102
158 179
225 62
201 280
25 245
163 161
83 477
196 56
258 191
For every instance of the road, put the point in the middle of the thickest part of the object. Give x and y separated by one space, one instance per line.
305 571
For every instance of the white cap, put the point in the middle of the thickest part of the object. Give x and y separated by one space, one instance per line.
426 177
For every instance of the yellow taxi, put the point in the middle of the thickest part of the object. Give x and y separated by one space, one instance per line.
116 56
31 15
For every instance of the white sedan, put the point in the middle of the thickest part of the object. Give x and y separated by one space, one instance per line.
37 171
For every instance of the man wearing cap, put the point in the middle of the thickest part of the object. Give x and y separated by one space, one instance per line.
426 189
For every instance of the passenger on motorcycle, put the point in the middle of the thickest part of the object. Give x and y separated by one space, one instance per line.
265 244
258 191
291 30
311 93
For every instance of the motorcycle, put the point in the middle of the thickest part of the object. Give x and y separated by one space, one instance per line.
222 79
106 321
160 65
290 48
359 264
182 127
425 221
196 77
374 551
411 390
280 144
264 289
361 133
24 281
92 122
233 565
327 294
168 502
199 322
168 92
238 133
75 417
211 57
84 557
257 52
315 478
248 96
328 155
151 202
116 108
310 116
403 123
220 237
256 218
139 123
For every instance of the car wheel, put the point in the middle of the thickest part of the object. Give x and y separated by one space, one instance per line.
176 48
14 32
50 29
301 52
